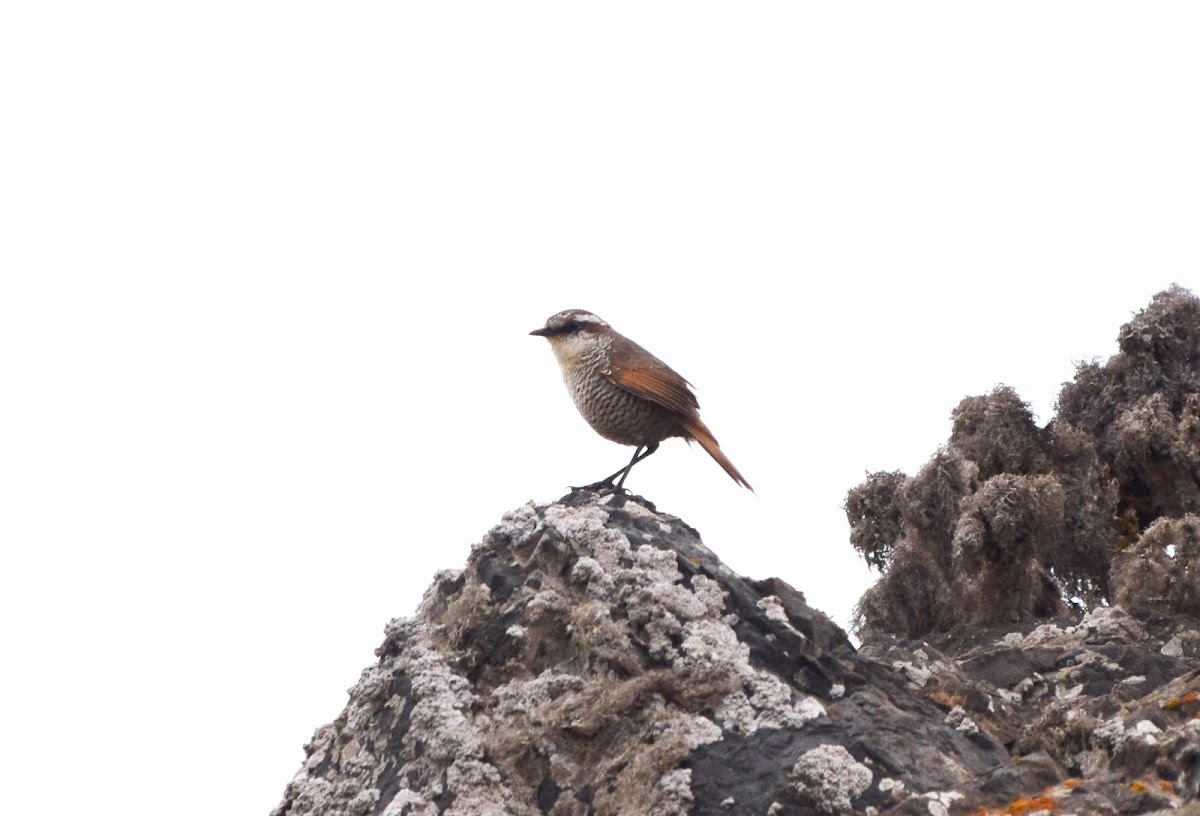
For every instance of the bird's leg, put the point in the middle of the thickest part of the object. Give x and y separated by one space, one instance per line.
638 455
608 482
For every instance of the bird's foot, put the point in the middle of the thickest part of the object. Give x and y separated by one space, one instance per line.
602 486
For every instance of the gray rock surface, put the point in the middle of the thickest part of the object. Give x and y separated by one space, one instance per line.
1100 710
595 657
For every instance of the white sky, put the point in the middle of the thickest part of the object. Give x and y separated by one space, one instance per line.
267 272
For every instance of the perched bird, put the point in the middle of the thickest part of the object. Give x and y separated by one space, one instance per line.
624 392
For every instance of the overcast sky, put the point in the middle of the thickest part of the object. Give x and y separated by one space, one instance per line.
267 273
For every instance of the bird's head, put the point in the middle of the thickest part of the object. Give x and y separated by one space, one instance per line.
572 332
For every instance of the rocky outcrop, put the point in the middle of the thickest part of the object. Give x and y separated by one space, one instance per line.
594 657
1104 705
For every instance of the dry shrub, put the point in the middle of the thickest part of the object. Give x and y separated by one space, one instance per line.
929 502
1013 521
1004 533
996 431
875 522
1160 572
916 597
1141 408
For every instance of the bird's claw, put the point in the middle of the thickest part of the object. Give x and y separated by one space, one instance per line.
605 485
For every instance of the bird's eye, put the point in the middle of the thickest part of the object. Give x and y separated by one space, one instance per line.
571 327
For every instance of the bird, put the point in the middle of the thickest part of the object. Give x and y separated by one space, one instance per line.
625 393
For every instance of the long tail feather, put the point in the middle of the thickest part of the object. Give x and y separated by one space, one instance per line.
698 431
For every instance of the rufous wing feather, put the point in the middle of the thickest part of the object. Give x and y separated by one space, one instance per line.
661 385
641 373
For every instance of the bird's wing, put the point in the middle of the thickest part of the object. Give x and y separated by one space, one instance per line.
643 374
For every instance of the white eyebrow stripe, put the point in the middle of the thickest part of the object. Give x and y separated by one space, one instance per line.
587 318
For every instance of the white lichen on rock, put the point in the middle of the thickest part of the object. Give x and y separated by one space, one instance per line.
673 794
442 697
1046 633
1173 647
938 802
1068 693
770 704
1110 733
894 789
410 803
772 607
917 676
1145 727
439 703
830 777
524 697
590 573
959 721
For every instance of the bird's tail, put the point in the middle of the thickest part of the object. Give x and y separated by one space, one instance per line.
698 431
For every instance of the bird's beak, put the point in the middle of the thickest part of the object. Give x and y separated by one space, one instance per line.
542 332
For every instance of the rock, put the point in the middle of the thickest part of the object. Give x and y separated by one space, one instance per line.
830 778
595 657
1029 774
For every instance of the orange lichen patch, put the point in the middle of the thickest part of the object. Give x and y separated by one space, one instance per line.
1138 787
1166 785
1044 801
1176 702
945 699
1025 805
